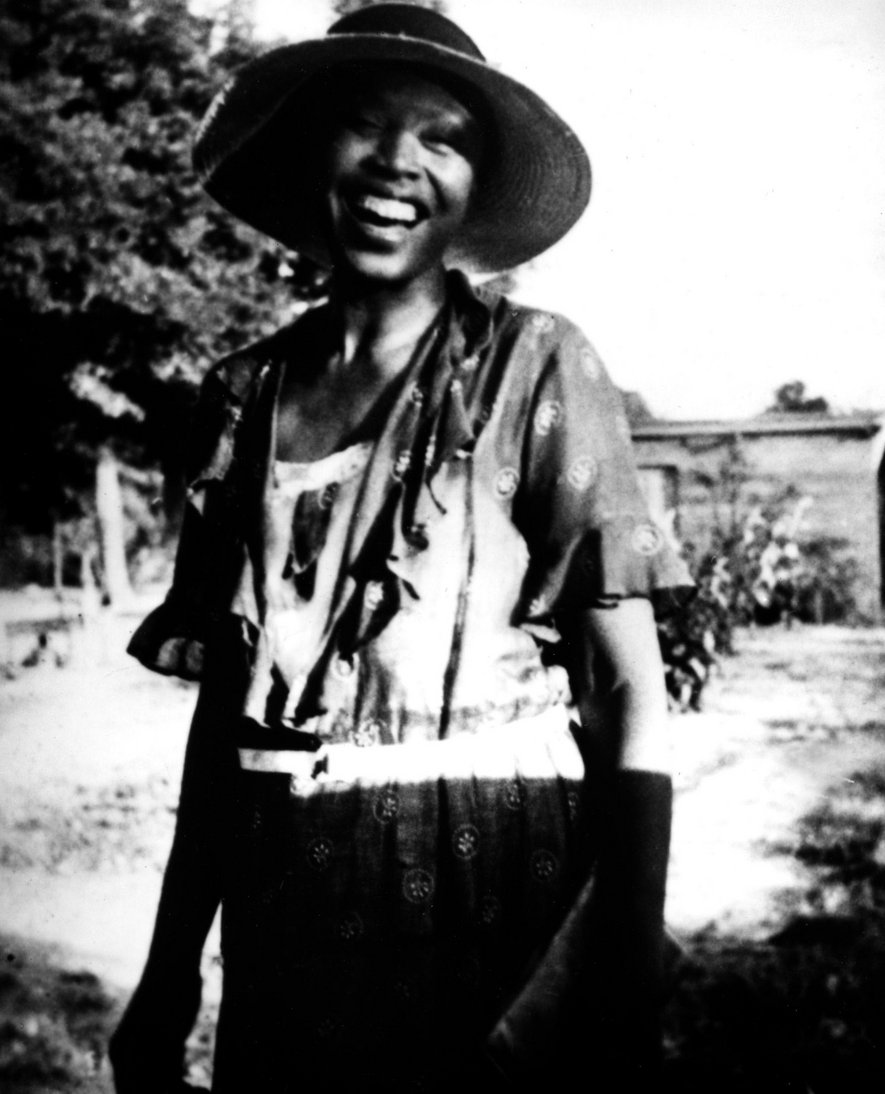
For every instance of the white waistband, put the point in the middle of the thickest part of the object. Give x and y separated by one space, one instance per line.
541 746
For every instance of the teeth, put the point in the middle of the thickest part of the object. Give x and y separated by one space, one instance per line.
388 208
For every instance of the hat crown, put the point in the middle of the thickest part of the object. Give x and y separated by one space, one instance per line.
410 21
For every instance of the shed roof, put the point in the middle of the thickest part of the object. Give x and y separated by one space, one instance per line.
861 424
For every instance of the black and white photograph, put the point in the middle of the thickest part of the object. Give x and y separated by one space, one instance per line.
442 546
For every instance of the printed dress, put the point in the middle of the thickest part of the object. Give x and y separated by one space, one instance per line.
409 819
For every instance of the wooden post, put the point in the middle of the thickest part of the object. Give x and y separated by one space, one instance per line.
109 510
57 558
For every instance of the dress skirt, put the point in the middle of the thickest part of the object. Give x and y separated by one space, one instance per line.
374 928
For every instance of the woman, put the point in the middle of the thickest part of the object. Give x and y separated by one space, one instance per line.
415 543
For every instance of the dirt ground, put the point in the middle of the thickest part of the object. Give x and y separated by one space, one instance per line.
777 886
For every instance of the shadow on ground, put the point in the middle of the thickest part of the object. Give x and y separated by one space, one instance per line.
55 1023
800 1013
771 1000
803 1011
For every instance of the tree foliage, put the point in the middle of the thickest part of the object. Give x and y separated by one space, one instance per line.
790 398
345 7
119 279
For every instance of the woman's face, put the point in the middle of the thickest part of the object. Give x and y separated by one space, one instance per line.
400 173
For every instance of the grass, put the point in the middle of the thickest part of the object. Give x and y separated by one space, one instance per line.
798 1013
54 1025
802 1012
91 828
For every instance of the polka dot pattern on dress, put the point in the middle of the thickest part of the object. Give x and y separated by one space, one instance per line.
328 495
547 417
544 866
489 910
647 539
351 927
582 473
343 667
539 606
468 973
374 595
506 482
319 853
401 464
465 842
328 1029
418 886
386 806
590 364
367 733
514 795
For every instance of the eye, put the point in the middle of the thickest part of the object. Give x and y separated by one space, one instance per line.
437 142
445 138
361 122
452 136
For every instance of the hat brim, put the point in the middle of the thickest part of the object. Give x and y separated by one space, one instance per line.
532 189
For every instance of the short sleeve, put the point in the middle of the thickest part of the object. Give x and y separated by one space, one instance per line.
172 638
579 506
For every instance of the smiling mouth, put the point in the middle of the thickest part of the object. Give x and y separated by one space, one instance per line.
382 212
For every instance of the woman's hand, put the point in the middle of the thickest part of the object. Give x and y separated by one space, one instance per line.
147 1049
617 673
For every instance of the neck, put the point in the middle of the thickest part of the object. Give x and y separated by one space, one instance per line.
382 323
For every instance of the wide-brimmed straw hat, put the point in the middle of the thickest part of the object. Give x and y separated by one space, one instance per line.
534 181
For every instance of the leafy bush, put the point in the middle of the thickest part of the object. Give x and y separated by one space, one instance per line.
758 569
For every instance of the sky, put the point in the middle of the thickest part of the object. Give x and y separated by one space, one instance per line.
735 239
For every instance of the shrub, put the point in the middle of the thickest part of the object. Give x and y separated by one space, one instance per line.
757 570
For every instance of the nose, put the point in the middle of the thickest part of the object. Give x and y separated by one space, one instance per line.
396 151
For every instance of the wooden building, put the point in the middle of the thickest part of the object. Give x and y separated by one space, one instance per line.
691 468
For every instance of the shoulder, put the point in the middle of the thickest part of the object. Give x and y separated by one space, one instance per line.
544 329
533 344
235 376
232 392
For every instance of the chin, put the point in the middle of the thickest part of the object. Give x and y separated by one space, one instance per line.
383 269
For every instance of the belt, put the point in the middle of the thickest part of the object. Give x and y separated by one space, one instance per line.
539 746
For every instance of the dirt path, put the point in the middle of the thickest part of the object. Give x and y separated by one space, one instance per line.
795 715
90 760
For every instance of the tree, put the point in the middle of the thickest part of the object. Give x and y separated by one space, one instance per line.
790 398
345 7
120 281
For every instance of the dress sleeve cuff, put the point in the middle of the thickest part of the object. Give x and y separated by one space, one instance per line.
164 642
619 560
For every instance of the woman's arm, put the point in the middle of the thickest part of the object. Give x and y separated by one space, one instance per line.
147 1049
616 665
598 988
